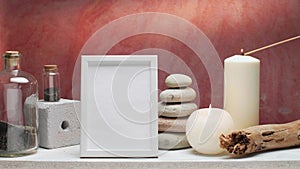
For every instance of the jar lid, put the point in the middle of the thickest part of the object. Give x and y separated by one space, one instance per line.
50 67
12 54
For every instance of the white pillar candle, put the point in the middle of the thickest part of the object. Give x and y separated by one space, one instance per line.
241 90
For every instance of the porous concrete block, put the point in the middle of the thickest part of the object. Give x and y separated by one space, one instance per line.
59 123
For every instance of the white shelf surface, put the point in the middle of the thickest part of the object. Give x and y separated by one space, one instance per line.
68 157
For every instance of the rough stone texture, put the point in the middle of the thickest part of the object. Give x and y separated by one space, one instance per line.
172 141
58 123
178 95
176 110
178 80
172 124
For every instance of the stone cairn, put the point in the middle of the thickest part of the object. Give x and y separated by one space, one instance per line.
174 109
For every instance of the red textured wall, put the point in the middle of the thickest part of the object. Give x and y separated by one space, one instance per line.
54 32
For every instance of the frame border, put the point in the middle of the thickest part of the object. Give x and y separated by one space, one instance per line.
134 60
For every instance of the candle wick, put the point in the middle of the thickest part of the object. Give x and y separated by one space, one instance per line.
271 45
242 52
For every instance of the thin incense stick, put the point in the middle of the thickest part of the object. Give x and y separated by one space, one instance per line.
268 46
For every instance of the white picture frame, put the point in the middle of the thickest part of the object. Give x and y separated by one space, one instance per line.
119 106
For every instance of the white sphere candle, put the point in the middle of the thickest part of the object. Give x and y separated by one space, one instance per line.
241 90
204 128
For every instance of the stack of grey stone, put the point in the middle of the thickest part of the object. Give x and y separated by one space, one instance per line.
174 109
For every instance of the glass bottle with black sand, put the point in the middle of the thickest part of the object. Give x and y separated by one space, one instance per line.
18 108
51 83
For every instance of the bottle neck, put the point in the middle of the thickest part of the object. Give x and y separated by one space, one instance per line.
11 64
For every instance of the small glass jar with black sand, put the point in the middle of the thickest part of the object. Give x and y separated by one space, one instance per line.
51 83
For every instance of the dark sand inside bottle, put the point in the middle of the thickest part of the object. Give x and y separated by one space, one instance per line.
51 94
17 140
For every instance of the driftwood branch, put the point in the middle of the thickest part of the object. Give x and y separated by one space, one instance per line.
261 138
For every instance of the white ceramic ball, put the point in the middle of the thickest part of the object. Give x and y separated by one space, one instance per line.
204 128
